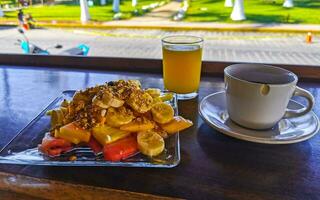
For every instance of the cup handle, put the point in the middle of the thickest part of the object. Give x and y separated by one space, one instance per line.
296 113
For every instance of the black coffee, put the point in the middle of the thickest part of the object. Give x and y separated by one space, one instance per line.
264 75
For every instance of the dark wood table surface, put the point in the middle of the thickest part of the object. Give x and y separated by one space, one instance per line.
213 166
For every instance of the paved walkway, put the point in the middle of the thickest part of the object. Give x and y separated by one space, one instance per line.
160 14
136 43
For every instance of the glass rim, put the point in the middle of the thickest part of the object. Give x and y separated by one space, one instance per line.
197 39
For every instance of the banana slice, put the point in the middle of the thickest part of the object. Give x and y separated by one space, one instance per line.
154 92
117 117
140 101
157 100
107 99
96 101
162 113
150 143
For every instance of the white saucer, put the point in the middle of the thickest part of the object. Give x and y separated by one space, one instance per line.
213 110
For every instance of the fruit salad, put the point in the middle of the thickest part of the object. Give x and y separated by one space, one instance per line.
118 119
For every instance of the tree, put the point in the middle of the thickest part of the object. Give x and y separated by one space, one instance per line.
228 3
116 6
85 16
288 3
238 11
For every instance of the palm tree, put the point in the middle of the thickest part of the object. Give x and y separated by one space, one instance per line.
228 3
238 11
288 3
116 6
85 16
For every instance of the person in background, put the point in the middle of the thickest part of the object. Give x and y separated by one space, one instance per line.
21 17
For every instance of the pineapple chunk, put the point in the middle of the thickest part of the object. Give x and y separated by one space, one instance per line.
106 134
72 133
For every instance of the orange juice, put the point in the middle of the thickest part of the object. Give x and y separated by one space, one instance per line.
182 68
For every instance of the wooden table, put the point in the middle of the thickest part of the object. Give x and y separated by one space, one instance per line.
213 166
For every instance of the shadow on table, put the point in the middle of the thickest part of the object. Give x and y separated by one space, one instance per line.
221 148
256 165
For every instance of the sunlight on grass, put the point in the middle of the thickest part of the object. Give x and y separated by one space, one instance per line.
257 11
72 12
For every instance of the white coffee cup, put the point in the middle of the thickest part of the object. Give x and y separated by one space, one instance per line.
258 95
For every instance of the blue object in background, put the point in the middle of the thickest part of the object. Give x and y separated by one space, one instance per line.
25 47
85 49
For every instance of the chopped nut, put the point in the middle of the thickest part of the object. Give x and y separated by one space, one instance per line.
83 108
103 112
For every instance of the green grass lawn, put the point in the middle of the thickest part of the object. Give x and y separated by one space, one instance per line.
72 12
257 11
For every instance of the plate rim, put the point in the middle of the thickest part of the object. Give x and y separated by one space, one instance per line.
240 136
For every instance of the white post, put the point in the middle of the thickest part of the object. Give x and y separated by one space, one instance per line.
85 16
134 3
1 13
228 3
116 6
288 3
238 11
103 2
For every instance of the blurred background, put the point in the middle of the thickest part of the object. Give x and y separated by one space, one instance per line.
265 31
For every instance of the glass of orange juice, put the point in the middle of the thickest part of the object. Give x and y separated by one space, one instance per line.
182 57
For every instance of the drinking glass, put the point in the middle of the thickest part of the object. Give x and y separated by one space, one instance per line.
182 65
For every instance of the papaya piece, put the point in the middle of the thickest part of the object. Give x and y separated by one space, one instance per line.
178 123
